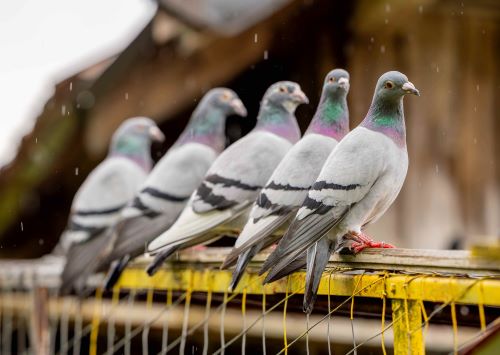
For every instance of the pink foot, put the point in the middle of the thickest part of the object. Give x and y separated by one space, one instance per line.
361 241
199 248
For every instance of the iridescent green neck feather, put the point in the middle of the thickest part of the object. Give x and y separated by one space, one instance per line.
387 117
331 118
134 147
206 126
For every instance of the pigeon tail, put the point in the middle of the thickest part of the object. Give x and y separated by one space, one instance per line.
160 258
242 264
299 263
115 272
317 258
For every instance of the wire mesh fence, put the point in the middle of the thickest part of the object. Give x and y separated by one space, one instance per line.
187 308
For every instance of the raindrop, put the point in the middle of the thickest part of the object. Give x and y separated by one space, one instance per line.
85 99
437 68
63 110
372 39
477 87
76 171
126 96
40 241
70 86
386 21
255 38
387 7
266 55
437 169
22 227
420 9
36 140
464 310
382 49
475 108
475 140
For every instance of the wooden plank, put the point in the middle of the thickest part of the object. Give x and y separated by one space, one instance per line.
46 271
411 260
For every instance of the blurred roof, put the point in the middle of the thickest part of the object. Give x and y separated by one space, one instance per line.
143 79
222 16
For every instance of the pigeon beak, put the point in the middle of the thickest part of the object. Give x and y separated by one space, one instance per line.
238 107
409 88
156 134
299 97
344 83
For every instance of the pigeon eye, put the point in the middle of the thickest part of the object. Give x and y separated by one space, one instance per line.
332 79
140 129
389 85
225 96
283 89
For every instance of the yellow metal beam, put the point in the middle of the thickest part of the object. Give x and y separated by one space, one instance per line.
407 318
420 287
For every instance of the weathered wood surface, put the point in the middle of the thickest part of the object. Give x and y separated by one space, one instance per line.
46 271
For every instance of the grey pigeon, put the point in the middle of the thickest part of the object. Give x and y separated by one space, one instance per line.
359 181
287 188
106 191
174 178
236 177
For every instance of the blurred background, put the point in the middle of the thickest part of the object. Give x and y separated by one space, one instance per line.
71 71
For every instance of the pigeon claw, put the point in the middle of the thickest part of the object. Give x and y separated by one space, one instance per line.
361 241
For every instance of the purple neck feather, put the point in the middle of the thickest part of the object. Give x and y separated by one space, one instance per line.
331 118
388 119
279 121
205 127
142 159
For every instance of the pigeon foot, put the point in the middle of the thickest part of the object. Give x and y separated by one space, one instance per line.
361 241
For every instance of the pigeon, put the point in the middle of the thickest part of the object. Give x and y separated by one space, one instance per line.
106 191
172 181
287 188
234 180
359 181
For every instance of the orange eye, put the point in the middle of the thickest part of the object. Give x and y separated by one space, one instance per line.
225 96
389 85
283 89
332 79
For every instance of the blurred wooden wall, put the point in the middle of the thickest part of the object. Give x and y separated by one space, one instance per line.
450 50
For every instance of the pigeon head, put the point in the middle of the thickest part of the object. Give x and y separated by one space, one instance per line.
336 83
207 123
227 101
139 128
386 113
392 86
277 110
285 95
332 115
133 140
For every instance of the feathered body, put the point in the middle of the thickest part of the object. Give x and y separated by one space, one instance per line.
287 188
168 188
106 191
359 181
234 180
